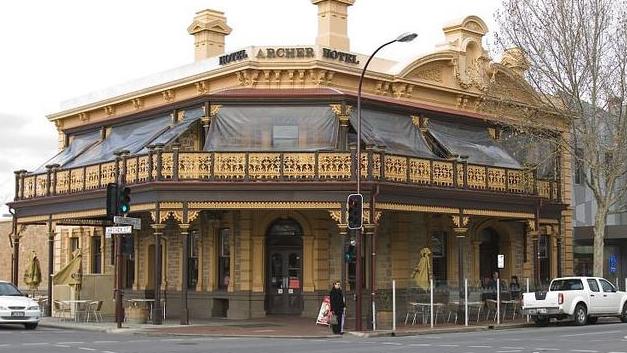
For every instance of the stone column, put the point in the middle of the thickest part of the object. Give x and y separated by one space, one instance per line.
460 233
157 315
308 282
185 275
257 261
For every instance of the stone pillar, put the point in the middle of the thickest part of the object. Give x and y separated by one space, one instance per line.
157 315
209 29
257 262
333 23
185 275
308 259
476 255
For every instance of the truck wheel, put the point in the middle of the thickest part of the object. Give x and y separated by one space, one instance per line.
541 321
592 319
581 315
623 317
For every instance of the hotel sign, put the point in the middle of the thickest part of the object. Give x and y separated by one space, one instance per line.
339 56
286 53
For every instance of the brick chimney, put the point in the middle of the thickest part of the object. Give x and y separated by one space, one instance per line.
209 29
332 23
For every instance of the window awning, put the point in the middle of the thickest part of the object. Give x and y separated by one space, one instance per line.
132 137
174 132
472 141
395 132
273 128
78 144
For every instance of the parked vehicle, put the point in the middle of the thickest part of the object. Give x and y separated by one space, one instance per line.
16 308
582 299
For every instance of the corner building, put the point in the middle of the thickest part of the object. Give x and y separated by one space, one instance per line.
240 165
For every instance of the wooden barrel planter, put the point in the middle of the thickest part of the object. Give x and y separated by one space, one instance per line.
137 314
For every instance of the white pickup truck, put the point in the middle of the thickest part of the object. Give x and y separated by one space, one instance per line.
583 299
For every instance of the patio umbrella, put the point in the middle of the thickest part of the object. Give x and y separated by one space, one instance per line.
32 276
422 273
70 274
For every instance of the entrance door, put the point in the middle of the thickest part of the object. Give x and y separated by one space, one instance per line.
284 268
488 252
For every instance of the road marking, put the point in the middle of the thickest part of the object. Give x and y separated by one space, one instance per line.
87 349
173 340
512 347
4 345
448 345
35 344
547 349
136 341
104 342
107 352
512 351
583 350
70 342
591 333
392 343
479 346
420 345
62 346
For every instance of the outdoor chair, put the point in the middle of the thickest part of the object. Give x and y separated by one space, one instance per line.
81 309
93 309
61 310
490 309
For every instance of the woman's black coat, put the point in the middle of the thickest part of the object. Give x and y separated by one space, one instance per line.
337 300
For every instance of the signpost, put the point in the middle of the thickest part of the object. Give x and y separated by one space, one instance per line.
118 230
133 221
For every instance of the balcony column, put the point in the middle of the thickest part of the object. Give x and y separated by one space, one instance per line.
184 227
149 166
159 164
460 229
19 184
157 314
533 234
175 160
343 114
51 235
16 254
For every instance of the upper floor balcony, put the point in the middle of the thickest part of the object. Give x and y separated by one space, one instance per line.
299 167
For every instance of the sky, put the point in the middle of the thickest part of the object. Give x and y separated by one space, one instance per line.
51 51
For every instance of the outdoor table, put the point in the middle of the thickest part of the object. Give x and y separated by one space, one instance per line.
74 306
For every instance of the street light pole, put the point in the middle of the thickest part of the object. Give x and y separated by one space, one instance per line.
405 37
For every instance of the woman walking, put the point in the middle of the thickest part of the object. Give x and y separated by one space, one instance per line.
337 308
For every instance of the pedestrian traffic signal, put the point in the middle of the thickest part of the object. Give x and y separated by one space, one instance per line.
124 200
355 206
112 200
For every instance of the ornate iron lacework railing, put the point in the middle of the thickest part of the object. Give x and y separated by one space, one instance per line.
173 165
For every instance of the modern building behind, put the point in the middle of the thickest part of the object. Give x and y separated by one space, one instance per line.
246 159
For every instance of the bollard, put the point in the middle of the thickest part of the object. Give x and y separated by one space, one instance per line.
498 301
431 309
466 301
393 305
527 292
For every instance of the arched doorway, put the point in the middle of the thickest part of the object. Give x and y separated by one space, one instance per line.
284 264
488 253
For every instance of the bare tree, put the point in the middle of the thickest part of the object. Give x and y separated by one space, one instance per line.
575 53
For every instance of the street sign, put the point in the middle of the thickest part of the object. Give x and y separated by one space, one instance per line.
500 261
118 230
135 222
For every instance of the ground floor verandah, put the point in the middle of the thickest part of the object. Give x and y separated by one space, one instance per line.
261 258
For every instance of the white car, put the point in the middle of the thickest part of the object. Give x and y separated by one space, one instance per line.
15 308
582 299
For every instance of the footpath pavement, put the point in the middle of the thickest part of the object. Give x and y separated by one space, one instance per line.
272 327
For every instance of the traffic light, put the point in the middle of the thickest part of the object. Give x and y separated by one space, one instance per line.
349 253
112 200
355 206
124 200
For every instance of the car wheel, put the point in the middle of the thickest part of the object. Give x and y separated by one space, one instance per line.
592 319
541 322
31 325
623 317
581 315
